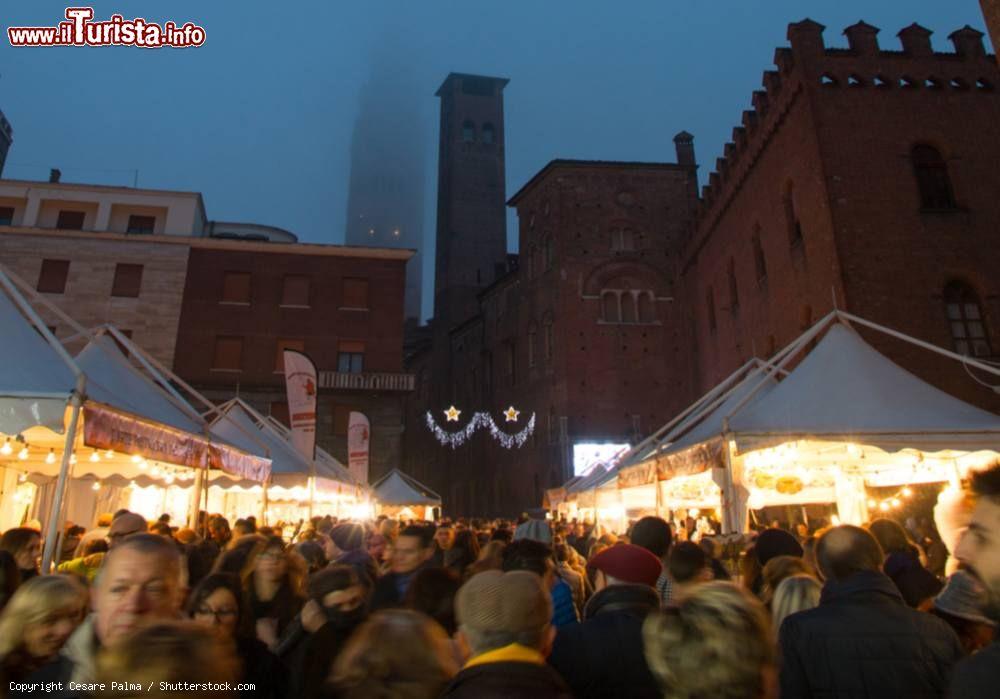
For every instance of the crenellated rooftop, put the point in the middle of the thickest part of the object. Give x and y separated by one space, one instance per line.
809 64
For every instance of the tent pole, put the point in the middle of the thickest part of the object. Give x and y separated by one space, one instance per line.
52 533
194 504
312 491
263 504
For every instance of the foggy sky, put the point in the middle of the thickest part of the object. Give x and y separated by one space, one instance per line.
260 118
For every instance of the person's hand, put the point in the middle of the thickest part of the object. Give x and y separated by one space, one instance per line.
313 617
267 632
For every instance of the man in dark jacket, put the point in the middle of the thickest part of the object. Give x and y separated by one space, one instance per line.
504 626
979 552
411 552
863 640
603 656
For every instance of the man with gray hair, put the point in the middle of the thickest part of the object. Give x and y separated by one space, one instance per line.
140 582
504 626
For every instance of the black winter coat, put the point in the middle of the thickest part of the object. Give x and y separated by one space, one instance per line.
864 641
603 656
978 677
507 680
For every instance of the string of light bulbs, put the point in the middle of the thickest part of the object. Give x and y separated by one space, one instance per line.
480 420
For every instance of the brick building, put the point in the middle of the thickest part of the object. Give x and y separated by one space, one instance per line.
862 177
217 301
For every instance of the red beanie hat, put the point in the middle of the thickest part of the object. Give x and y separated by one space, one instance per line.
628 563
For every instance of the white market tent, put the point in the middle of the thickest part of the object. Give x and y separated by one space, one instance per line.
127 416
398 491
844 418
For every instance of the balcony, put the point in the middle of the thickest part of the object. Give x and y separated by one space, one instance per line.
366 382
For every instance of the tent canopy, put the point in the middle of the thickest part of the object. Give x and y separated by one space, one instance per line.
398 490
846 390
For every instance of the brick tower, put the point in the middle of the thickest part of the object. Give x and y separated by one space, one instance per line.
471 249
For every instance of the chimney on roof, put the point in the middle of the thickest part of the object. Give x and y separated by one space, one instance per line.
968 42
54 174
916 40
684 144
862 38
806 37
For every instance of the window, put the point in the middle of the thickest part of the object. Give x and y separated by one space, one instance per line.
548 339
236 287
52 277
532 341
932 178
610 312
6 215
279 355
128 281
341 420
734 291
646 314
355 294
622 239
791 217
628 305
350 357
141 224
295 291
489 135
760 263
965 317
710 304
70 220
228 354
549 252
279 411
468 131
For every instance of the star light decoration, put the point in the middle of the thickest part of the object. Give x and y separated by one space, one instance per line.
480 420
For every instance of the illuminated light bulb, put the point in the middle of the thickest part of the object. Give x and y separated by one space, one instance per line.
155 471
169 479
143 465
692 512
72 458
895 503
94 458
907 492
22 478
23 454
872 504
96 486
884 506
136 458
109 454
6 449
51 458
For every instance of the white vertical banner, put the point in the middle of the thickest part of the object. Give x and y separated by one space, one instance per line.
300 384
358 442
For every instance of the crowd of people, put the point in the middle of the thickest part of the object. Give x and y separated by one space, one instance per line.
477 608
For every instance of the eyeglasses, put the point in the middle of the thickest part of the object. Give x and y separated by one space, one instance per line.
219 614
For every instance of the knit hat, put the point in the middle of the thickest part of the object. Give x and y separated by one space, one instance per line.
348 536
628 563
536 530
776 542
511 602
963 596
126 524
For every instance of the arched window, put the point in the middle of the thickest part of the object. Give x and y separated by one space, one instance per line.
532 343
932 178
622 239
791 217
489 136
609 307
468 131
629 311
965 316
646 307
548 339
758 256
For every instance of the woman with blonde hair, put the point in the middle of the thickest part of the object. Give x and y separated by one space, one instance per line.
40 616
777 570
794 594
396 654
715 642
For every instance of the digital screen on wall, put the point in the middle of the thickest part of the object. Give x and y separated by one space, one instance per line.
586 455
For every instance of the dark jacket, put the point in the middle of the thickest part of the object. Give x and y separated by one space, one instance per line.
978 677
603 656
507 680
863 641
386 594
915 582
262 669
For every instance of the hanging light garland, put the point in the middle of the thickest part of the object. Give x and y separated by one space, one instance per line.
480 420
890 503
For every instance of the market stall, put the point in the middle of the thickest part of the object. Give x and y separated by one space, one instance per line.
402 496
